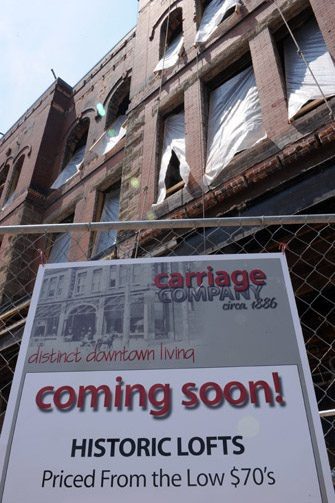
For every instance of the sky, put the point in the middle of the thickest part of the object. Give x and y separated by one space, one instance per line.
70 36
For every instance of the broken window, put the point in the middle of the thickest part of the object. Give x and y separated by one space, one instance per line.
214 13
171 40
174 170
301 86
110 213
234 122
11 192
74 153
116 120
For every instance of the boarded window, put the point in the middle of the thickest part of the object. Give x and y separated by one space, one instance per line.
301 87
110 213
61 245
60 249
234 122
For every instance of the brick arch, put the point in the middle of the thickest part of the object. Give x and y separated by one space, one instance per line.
162 17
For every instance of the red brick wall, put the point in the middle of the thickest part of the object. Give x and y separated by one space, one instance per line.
324 11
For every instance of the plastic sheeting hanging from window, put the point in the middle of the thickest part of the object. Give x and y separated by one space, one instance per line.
60 249
300 84
112 136
71 169
212 17
110 213
174 141
9 200
234 123
172 54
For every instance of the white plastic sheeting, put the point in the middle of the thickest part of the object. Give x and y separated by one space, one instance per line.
172 54
174 141
300 84
110 213
71 169
9 200
60 249
212 17
112 136
234 122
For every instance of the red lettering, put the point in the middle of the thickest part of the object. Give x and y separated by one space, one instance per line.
163 405
254 387
257 277
95 392
205 390
47 390
176 280
189 276
222 278
240 280
229 392
189 389
158 280
59 395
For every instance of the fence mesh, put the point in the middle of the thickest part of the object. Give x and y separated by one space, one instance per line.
308 245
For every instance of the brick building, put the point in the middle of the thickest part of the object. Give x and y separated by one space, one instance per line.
141 133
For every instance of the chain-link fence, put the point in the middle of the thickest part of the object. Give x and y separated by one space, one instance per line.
307 241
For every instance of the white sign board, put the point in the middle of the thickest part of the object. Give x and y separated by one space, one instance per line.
176 378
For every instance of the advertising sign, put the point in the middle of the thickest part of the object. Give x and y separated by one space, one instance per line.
164 379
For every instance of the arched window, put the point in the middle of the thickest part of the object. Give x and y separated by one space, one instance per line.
119 103
213 12
171 40
115 128
11 192
74 153
3 177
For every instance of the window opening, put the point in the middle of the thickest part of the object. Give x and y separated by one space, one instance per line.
234 122
171 40
61 245
11 193
174 170
173 179
3 178
74 154
214 13
116 121
302 90
105 240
